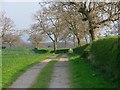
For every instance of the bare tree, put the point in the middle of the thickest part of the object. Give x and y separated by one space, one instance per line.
36 38
97 14
83 19
11 39
6 25
74 22
49 22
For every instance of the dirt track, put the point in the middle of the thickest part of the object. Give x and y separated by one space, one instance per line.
27 79
60 77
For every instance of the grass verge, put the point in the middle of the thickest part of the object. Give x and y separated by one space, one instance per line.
45 76
16 61
83 75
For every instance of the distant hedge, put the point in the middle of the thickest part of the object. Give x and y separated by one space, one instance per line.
80 50
39 51
60 51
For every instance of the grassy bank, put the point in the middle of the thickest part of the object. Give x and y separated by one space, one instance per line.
83 75
102 56
45 76
17 61
105 56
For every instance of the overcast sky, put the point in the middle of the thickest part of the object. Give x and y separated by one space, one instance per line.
21 13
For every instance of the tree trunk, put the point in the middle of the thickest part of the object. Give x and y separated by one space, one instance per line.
65 43
55 46
95 33
55 43
36 45
79 41
91 31
86 39
74 40
10 45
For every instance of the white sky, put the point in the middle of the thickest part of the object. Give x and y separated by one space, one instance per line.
21 12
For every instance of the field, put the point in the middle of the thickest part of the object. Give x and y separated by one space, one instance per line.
16 61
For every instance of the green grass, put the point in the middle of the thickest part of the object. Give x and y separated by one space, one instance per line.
105 56
83 75
17 61
45 76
